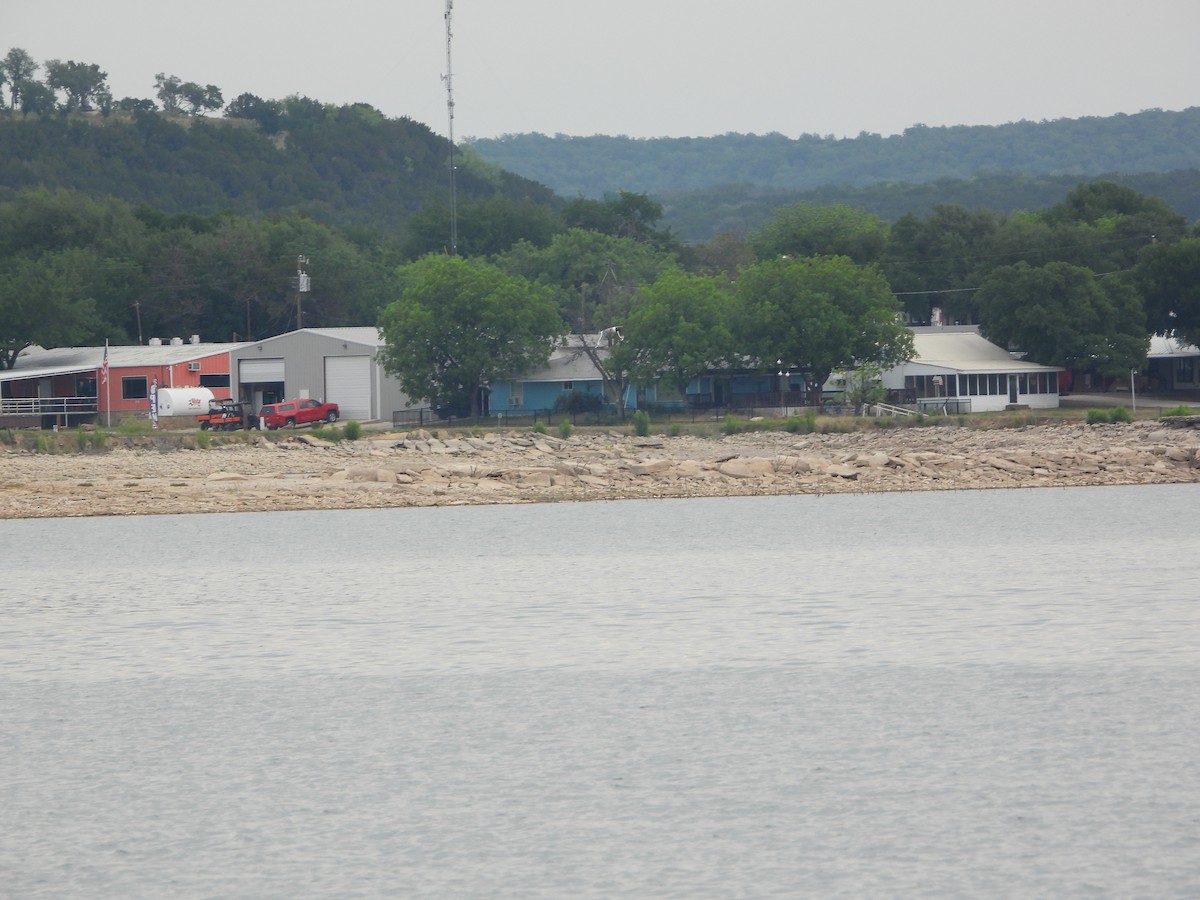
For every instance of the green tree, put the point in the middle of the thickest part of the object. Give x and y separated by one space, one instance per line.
862 386
169 91
810 229
460 324
936 261
42 301
267 113
486 226
679 328
18 68
623 215
80 83
593 275
1168 276
200 98
1063 315
818 314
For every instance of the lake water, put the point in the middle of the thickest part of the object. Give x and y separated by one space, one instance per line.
986 693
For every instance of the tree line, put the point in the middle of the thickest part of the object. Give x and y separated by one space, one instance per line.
1152 140
1082 285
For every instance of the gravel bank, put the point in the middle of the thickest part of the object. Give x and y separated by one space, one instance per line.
416 469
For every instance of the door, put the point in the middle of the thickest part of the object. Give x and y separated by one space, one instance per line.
348 384
1012 388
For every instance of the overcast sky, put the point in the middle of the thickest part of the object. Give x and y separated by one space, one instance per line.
650 68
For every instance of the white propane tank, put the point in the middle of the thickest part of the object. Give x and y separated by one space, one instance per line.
183 401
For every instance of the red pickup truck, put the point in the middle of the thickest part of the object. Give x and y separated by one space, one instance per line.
290 413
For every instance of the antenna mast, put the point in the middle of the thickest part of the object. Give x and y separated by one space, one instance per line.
450 114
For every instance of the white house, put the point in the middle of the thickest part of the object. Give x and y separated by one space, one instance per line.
954 368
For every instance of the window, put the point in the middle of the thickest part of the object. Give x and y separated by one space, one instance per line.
133 387
1185 371
568 386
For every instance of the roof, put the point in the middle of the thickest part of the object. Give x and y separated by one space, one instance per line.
965 350
568 362
367 335
40 363
1169 347
364 334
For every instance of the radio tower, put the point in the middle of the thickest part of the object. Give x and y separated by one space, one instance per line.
449 77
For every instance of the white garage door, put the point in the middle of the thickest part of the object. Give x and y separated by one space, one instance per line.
348 384
260 371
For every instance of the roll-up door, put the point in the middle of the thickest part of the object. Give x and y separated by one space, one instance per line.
348 384
260 371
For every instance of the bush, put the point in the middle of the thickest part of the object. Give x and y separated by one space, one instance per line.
1108 416
1181 410
730 426
675 430
540 428
577 402
564 429
805 424
353 430
641 423
203 439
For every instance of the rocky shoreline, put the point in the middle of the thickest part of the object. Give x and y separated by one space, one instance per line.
301 472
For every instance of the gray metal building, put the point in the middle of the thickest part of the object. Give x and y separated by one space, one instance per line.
337 365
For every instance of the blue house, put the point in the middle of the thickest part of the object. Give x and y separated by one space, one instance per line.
570 370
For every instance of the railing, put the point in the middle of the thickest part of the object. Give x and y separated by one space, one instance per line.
47 406
886 409
945 405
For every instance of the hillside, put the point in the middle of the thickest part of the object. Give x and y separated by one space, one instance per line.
1149 141
341 165
732 182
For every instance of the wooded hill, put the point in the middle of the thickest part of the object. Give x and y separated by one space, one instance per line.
732 182
346 166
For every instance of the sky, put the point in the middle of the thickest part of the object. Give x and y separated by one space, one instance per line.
650 68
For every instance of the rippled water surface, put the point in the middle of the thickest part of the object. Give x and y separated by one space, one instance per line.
971 693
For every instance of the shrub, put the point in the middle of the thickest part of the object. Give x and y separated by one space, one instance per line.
1119 414
540 427
675 429
805 424
1181 410
730 426
578 402
42 444
353 430
203 439
565 429
1097 417
641 423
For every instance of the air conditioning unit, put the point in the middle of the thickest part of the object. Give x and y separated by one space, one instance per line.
193 367
514 401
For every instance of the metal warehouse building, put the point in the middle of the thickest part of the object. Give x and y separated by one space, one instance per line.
337 365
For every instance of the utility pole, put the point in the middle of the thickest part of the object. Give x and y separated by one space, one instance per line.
449 79
303 285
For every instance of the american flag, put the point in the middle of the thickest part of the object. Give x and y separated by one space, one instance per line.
104 366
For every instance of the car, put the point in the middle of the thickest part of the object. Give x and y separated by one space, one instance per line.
290 413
